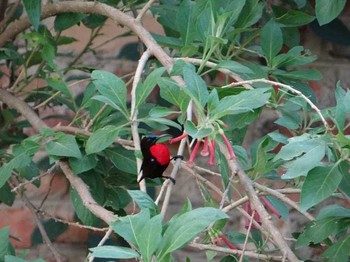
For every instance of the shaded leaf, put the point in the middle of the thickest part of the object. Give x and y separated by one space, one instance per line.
122 159
271 39
33 9
326 10
63 145
101 139
320 183
113 252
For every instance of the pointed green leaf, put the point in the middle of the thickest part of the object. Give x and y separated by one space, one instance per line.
320 183
317 231
234 67
185 21
327 10
185 227
129 227
195 86
82 212
101 139
80 165
122 159
338 252
64 21
243 102
111 87
33 9
172 93
63 145
271 40
114 252
143 90
144 201
150 236
59 85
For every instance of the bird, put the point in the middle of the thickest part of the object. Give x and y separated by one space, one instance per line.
156 158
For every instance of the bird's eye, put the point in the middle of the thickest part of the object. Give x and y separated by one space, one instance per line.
153 159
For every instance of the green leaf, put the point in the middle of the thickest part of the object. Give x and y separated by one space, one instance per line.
101 139
234 67
112 88
117 198
144 201
6 196
9 258
63 145
150 236
185 227
59 85
129 227
33 9
303 74
338 252
326 10
295 18
280 206
195 86
54 229
144 90
317 231
195 132
80 165
302 153
159 111
333 211
64 21
320 183
294 57
243 102
185 21
113 252
82 212
4 241
122 159
172 93
251 13
271 40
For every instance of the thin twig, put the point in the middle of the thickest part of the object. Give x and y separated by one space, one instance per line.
289 88
144 10
283 198
40 225
133 112
103 240
235 252
247 236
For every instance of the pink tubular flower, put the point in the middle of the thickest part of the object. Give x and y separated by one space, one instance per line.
211 161
193 155
205 151
270 207
228 145
227 242
178 138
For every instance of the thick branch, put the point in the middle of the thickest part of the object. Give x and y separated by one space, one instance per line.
22 108
85 194
258 206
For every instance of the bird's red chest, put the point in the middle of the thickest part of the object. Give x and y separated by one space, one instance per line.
161 153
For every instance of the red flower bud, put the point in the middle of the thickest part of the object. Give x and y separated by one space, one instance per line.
190 162
228 145
270 207
178 138
211 161
205 150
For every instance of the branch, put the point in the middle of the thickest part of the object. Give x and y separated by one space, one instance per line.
85 194
235 252
257 205
284 199
133 113
22 108
289 88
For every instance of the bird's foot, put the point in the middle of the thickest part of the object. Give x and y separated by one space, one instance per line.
170 178
178 157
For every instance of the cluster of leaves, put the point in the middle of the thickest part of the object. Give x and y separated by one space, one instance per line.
224 32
